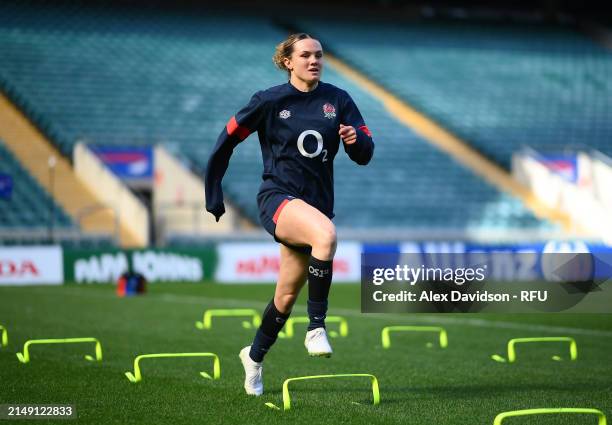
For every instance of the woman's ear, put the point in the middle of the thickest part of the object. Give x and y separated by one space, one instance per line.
287 63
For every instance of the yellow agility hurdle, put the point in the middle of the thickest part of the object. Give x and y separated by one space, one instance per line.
601 418
4 337
25 357
386 337
206 322
289 326
137 376
287 397
573 348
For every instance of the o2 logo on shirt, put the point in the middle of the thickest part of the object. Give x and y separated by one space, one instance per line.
318 151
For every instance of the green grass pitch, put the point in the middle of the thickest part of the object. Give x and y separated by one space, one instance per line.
418 385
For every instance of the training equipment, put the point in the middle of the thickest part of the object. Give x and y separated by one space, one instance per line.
601 418
131 283
317 344
4 338
386 338
287 398
206 322
289 326
253 380
25 357
137 376
512 352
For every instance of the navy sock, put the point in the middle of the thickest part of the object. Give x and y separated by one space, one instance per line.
260 346
319 283
317 311
271 324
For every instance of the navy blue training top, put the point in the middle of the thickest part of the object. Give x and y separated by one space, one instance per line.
298 134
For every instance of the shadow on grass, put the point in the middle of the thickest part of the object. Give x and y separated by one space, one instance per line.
488 391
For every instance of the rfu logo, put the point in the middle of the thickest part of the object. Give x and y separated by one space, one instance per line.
284 114
317 272
329 111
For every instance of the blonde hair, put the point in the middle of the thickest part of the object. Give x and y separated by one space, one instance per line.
284 50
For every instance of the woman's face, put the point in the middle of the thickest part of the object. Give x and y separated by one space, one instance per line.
306 62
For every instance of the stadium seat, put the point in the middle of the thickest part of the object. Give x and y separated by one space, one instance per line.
497 86
29 204
125 78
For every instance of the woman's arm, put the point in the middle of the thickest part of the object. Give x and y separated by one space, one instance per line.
360 148
238 128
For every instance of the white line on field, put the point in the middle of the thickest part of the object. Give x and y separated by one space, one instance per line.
438 318
481 323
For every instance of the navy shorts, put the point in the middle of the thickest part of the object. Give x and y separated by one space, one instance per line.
270 206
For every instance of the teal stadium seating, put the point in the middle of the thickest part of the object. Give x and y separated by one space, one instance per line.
29 205
497 86
143 78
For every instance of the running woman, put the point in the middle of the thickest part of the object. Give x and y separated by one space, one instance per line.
300 125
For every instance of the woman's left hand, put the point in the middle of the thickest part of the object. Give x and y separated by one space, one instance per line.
348 134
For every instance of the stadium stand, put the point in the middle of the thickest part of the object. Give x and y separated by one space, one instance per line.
29 205
113 78
497 86
29 214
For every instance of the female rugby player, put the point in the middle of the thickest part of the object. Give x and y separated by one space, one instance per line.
300 125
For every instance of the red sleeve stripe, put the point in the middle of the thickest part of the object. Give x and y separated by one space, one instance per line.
366 130
233 129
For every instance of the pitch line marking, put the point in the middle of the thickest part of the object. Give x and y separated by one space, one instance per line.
477 323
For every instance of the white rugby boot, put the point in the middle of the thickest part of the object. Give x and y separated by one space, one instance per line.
317 344
253 380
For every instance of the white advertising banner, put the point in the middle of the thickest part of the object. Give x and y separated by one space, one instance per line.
155 266
32 265
259 262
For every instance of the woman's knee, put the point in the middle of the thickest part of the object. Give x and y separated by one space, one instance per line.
284 302
325 241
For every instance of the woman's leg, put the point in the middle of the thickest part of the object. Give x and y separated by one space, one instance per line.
301 224
291 278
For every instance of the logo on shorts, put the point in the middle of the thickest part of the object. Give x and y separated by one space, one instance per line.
284 114
329 111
